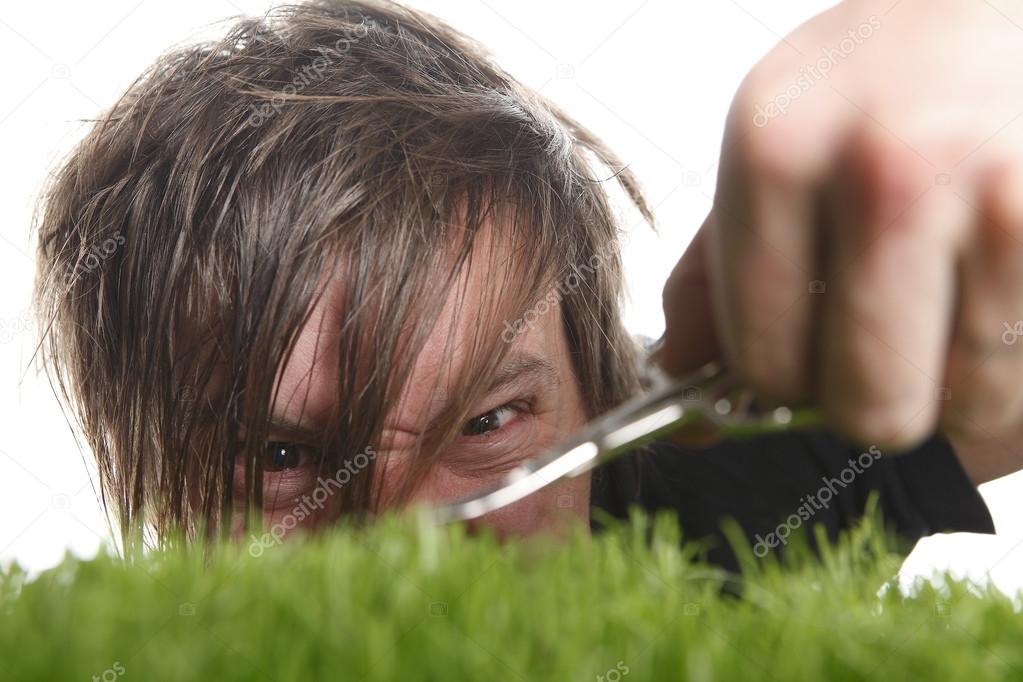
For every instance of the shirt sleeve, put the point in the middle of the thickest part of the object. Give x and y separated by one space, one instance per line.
793 479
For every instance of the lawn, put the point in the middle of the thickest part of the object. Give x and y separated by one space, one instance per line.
405 600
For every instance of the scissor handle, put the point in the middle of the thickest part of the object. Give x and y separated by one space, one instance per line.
716 401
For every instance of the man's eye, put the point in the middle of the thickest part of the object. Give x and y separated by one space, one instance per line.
489 421
281 456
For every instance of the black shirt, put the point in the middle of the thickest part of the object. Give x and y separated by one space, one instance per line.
776 484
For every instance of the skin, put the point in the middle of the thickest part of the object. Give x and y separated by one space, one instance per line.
894 186
539 388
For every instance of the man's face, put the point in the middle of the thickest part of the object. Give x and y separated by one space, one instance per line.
534 402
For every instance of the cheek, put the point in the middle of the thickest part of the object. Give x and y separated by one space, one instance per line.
554 510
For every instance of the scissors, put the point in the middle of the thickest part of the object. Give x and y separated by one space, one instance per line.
706 406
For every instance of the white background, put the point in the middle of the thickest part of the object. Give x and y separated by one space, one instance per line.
654 78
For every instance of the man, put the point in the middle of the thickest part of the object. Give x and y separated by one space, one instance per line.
330 219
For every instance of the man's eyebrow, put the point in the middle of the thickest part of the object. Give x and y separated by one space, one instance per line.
283 427
522 368
286 427
519 370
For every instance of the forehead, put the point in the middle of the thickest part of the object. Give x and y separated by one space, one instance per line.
308 380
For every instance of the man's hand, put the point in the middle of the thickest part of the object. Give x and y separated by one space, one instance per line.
865 247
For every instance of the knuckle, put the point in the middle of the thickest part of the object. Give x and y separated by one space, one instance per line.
886 175
769 153
765 135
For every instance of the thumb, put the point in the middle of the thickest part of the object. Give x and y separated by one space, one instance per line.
690 339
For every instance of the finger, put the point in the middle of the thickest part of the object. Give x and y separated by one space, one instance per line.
891 287
985 362
762 264
690 339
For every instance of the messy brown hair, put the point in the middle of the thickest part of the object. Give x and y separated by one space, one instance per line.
183 243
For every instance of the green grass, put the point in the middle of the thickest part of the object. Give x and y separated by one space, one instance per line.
403 601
